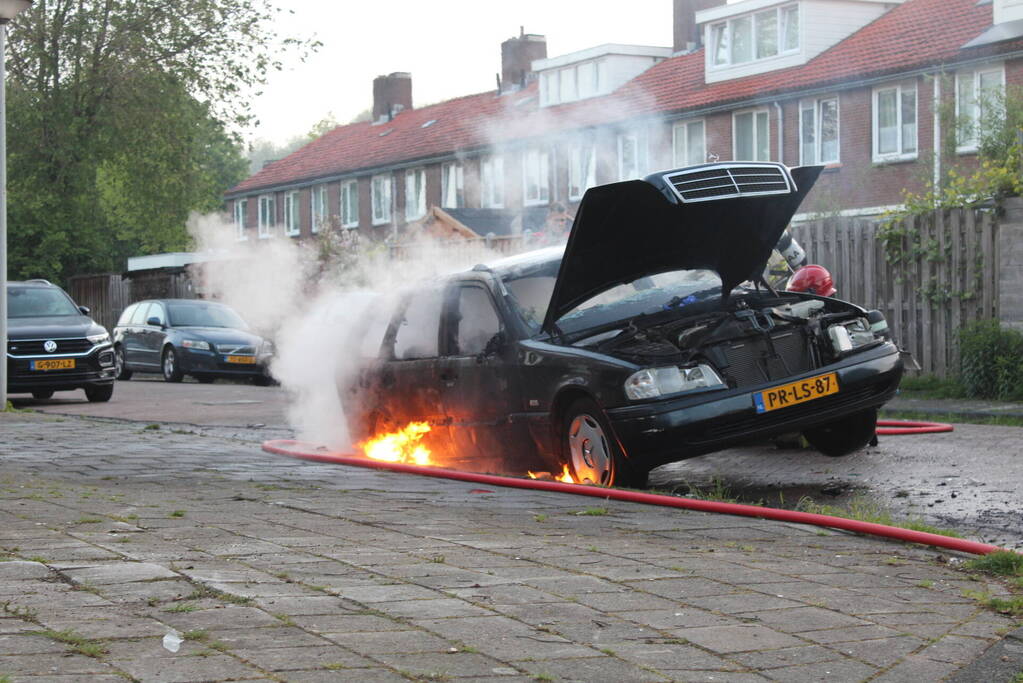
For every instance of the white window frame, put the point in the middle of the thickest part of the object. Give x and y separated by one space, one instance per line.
349 203
817 153
900 153
319 208
582 169
415 197
267 215
292 218
639 139
452 185
680 133
724 31
492 182
976 113
241 207
536 177
756 139
381 198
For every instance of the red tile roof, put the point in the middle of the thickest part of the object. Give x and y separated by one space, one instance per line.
915 35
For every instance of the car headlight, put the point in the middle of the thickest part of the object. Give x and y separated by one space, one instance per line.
655 382
101 338
267 348
195 344
851 335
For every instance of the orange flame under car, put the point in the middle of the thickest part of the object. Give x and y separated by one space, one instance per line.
401 446
565 476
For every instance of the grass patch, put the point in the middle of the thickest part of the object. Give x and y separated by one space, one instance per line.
865 510
930 386
717 492
1013 606
197 634
593 512
151 427
182 608
88 520
993 420
206 592
539 518
1002 562
77 642
177 513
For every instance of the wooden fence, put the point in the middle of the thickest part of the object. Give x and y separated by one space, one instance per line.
946 279
106 295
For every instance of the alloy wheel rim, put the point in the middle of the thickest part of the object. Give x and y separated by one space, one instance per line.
588 449
168 364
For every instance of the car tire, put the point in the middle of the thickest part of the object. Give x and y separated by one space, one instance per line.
171 366
204 379
42 394
120 364
100 393
844 436
591 451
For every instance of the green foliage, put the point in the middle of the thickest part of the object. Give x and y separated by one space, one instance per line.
1003 562
119 120
866 510
991 360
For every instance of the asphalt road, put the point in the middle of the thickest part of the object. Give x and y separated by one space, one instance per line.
967 480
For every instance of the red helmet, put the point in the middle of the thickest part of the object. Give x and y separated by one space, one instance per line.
813 279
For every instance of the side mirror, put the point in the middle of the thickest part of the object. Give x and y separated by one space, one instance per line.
155 322
494 345
84 310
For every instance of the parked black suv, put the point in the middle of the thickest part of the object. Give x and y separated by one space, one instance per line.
53 344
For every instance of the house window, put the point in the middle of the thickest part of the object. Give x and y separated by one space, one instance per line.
751 136
690 143
589 82
452 185
380 191
582 169
350 204
415 194
536 185
568 91
753 37
895 119
979 104
267 215
241 206
818 131
291 215
318 207
492 183
632 157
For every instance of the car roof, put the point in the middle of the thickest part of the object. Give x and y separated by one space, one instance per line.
31 283
524 260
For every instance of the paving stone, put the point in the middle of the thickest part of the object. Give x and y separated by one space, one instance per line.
189 669
738 603
799 619
683 589
841 670
591 669
298 658
28 644
394 593
228 617
370 643
426 609
334 675
851 634
22 570
116 573
453 665
955 649
786 657
662 655
914 669
881 653
306 604
741 638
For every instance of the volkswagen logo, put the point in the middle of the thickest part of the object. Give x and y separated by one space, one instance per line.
49 346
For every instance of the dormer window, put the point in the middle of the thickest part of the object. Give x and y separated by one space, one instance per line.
753 37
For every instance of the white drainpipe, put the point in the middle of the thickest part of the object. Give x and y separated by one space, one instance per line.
781 132
937 130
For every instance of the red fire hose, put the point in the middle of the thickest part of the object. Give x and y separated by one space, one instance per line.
896 427
298 449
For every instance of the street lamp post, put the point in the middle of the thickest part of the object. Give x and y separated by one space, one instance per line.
8 10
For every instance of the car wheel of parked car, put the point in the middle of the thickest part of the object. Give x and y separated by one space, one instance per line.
120 367
589 447
844 436
205 379
41 394
171 368
99 394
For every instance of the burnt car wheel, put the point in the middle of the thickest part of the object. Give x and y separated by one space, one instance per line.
99 394
40 394
844 436
171 367
120 367
590 449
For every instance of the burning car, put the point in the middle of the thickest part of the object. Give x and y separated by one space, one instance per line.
650 338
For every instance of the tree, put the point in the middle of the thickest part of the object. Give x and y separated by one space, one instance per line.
120 119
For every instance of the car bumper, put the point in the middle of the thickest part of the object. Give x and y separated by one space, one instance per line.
674 429
212 363
93 369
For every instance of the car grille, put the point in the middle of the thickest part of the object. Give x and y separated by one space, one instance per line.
237 349
34 347
750 361
721 182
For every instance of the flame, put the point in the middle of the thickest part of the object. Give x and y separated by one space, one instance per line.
564 477
401 446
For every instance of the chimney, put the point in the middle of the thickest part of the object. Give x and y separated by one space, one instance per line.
688 36
391 94
517 55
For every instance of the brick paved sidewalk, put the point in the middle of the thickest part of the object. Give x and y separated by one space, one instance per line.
122 541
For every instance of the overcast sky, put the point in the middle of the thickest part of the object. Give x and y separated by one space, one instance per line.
451 48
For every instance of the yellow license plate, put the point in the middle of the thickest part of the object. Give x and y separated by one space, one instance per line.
244 360
795 392
54 364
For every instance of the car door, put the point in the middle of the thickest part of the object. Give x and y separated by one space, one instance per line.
480 381
154 334
134 352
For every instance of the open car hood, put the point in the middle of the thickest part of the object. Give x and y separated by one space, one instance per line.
723 217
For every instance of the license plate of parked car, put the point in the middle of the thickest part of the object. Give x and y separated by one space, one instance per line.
245 360
796 392
54 364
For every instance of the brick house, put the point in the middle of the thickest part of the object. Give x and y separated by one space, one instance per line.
857 85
